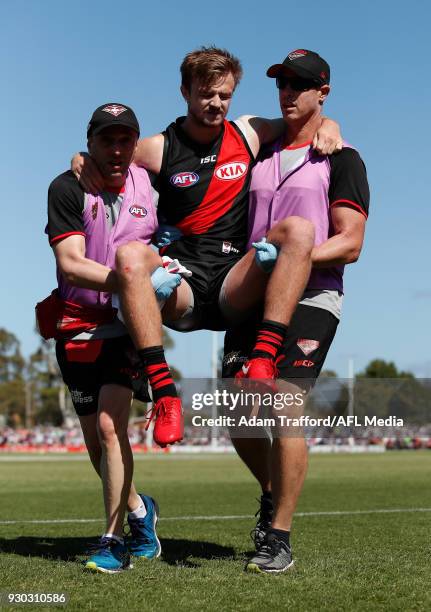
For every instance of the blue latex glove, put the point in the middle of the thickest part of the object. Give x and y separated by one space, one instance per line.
164 283
167 234
266 255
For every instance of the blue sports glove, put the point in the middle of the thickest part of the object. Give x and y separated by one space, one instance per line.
167 234
266 255
164 283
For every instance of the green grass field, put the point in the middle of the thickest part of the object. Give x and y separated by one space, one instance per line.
374 561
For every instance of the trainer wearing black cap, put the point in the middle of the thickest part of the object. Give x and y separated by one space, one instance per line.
304 63
111 114
96 356
331 192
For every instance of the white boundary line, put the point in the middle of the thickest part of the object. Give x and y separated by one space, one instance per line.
223 517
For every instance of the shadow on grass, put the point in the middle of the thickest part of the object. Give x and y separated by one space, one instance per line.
174 552
65 549
181 552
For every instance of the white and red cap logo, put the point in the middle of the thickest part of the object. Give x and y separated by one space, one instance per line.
114 109
297 53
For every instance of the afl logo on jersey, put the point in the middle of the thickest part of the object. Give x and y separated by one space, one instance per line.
138 211
184 179
231 171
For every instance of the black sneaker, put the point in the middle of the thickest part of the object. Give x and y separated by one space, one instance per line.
264 513
273 557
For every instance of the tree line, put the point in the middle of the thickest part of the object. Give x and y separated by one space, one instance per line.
32 391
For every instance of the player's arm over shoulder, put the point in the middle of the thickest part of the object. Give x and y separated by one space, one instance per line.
149 153
259 131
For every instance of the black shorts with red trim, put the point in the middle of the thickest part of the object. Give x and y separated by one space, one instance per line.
209 267
309 337
87 366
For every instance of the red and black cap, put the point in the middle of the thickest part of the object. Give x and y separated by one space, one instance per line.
304 63
110 114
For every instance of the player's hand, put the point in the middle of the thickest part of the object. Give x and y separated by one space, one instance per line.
266 255
87 173
167 234
328 138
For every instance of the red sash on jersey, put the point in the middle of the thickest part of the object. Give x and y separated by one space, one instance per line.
57 318
224 187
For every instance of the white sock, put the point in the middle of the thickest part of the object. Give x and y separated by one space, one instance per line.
140 512
112 536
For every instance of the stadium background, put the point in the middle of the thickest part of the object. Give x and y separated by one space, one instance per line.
60 61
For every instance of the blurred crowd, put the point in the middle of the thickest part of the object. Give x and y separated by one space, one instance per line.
70 439
56 439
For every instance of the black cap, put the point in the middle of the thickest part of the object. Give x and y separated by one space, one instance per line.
109 114
304 63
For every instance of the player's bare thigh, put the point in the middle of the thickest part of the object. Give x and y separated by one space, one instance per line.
179 303
245 284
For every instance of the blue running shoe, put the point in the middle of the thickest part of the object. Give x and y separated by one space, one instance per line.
143 540
109 557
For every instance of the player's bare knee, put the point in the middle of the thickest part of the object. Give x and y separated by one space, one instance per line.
128 254
296 232
109 431
134 258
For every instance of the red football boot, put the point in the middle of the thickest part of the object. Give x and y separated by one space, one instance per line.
169 425
264 370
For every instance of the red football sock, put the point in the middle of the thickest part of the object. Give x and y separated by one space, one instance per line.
158 372
270 338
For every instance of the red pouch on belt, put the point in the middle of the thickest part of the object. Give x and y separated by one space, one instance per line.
57 318
83 351
47 314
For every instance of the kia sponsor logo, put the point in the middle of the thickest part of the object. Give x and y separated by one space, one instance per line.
231 171
184 179
138 211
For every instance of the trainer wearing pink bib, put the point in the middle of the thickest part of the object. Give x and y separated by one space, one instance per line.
289 179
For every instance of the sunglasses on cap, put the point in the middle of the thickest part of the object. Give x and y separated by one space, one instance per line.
296 83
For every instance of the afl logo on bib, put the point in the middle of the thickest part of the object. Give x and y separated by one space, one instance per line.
138 211
231 171
184 179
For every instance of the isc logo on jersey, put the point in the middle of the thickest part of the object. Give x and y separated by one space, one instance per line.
231 171
184 179
138 211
